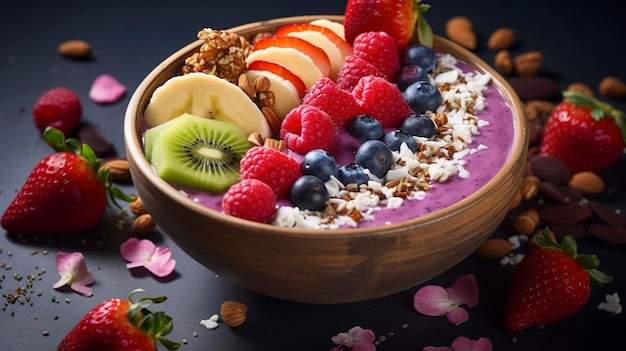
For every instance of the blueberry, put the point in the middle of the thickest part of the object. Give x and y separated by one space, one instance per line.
352 173
375 156
309 193
408 75
319 163
418 125
420 55
422 96
395 139
365 127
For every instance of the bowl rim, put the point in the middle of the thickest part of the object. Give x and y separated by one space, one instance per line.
133 142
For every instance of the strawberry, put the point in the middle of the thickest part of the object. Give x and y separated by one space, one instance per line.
122 325
382 100
397 18
65 193
59 108
326 95
379 49
551 283
584 133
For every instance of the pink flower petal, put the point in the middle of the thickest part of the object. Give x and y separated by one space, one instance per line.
106 89
73 271
357 338
432 300
465 290
457 315
143 253
437 348
463 343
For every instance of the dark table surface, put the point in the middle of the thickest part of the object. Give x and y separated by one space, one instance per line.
582 42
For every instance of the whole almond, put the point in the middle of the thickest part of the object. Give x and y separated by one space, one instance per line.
551 169
517 200
75 49
137 207
587 182
606 233
503 62
143 225
526 222
530 187
501 38
564 214
494 248
527 64
461 30
580 88
607 215
233 313
612 87
119 168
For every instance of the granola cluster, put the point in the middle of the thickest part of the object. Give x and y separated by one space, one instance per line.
223 54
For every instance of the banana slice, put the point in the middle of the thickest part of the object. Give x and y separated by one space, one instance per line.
208 96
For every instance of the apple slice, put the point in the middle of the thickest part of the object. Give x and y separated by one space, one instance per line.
335 47
336 27
317 54
287 96
293 59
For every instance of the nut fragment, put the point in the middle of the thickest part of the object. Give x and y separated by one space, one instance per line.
143 225
587 182
612 87
527 64
501 38
494 248
233 313
272 119
461 30
503 62
79 49
119 168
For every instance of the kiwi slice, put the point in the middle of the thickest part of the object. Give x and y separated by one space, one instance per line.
196 152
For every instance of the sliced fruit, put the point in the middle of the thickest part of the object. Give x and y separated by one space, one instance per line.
336 27
335 47
197 152
282 71
293 59
208 96
317 54
286 95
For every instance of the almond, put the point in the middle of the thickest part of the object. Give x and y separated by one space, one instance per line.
503 62
526 222
137 208
612 87
501 38
494 248
143 225
75 49
587 182
233 313
461 30
564 214
119 168
530 187
527 64
580 88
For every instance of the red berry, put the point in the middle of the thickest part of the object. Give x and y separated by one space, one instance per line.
250 199
272 167
306 128
59 108
339 104
382 100
353 69
379 49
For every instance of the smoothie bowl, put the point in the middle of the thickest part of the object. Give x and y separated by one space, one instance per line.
386 250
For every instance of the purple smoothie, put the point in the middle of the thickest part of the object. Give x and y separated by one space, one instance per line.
482 166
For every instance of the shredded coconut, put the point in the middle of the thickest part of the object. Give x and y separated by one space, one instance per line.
611 304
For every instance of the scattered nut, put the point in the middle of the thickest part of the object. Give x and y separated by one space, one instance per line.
461 30
580 88
143 225
137 207
587 182
526 222
501 38
612 87
503 62
233 313
536 87
530 187
494 248
528 64
119 168
564 213
79 49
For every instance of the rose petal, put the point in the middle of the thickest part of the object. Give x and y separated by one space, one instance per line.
143 253
73 271
464 290
432 300
161 263
106 89
457 315
463 343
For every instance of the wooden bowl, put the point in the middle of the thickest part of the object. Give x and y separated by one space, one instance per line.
312 266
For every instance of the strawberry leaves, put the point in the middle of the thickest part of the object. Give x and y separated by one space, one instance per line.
599 109
424 31
156 324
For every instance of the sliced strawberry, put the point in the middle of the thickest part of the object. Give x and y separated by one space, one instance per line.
282 71
313 52
341 44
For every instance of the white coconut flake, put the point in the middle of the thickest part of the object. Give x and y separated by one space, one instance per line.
611 304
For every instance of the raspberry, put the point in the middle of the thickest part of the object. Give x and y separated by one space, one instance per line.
339 104
250 199
59 108
379 49
382 100
306 128
353 69
272 167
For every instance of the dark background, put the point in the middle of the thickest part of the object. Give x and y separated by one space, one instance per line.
582 42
